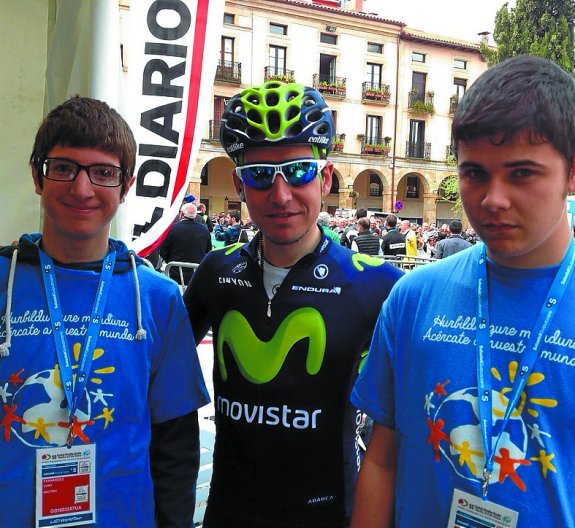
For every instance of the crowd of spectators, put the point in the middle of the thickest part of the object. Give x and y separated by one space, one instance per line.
391 233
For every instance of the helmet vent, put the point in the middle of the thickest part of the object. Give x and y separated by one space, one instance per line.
292 113
273 122
314 115
255 133
254 99
308 101
294 130
291 95
238 109
272 99
321 129
255 116
235 123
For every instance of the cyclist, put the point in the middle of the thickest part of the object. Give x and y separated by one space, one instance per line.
292 313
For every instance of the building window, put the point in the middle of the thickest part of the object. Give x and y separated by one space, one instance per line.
416 143
278 29
326 38
374 74
277 60
229 18
459 87
460 64
412 187
204 175
227 50
327 68
417 57
375 186
372 47
373 130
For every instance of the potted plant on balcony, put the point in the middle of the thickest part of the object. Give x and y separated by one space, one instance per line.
338 143
361 137
422 108
378 94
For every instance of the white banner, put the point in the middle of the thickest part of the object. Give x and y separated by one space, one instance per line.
172 55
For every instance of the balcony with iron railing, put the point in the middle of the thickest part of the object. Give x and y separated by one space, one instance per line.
420 104
278 74
338 143
375 146
418 150
330 86
375 93
453 104
229 72
214 130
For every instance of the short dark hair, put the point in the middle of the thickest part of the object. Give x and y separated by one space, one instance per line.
84 122
391 220
361 213
234 214
364 223
455 226
523 94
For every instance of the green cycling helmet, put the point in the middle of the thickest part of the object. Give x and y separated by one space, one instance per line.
276 113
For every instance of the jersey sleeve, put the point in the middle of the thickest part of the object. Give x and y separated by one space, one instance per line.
177 385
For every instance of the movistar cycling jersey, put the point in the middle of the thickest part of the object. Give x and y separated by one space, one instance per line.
286 453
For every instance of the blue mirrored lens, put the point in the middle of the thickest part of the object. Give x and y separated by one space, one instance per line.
296 173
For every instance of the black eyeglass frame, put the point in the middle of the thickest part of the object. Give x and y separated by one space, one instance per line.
44 164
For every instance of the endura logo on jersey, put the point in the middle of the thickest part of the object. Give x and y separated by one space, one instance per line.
321 271
313 289
259 361
238 268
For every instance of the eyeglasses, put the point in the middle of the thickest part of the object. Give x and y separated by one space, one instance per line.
65 170
261 176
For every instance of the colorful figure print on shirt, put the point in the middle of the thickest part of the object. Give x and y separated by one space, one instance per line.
36 412
454 430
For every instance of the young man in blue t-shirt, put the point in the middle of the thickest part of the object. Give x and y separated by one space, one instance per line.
99 377
471 401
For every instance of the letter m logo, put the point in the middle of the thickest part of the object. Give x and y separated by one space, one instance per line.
259 361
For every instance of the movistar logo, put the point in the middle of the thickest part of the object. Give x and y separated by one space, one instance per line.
259 361
361 259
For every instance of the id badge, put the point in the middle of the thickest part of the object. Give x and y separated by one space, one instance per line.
468 510
66 486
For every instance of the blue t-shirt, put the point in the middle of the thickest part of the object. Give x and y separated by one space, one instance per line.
133 383
420 379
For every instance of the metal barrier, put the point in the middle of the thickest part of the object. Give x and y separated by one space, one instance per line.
180 265
406 262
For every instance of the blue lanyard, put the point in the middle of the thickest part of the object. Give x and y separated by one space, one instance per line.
74 390
528 359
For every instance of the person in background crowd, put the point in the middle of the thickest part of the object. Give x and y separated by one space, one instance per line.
472 397
204 218
187 241
393 242
287 346
101 380
350 231
410 238
229 230
454 243
366 241
323 222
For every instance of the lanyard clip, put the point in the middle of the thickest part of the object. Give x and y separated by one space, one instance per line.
485 483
